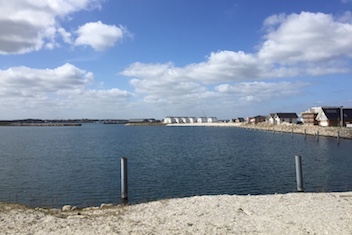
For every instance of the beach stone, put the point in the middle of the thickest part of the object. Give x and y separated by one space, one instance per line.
68 208
105 205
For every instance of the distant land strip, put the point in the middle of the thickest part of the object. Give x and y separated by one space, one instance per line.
38 124
145 124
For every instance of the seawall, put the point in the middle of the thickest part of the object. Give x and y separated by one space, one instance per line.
344 132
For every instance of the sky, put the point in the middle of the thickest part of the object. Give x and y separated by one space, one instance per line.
122 59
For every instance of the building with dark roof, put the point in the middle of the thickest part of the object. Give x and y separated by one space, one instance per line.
281 118
334 116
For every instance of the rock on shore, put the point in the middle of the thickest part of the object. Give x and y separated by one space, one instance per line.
294 213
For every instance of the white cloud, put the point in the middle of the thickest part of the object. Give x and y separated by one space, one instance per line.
98 35
49 92
220 66
305 44
294 45
66 36
305 37
28 26
31 80
261 91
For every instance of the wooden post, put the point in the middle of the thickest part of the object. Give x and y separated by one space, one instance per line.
299 175
338 137
124 185
317 135
292 132
305 134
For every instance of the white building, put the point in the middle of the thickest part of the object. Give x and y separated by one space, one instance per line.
282 118
169 120
185 120
192 120
202 120
212 119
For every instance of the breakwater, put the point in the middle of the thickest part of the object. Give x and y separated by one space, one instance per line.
342 132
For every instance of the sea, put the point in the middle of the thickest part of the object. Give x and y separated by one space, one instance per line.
81 165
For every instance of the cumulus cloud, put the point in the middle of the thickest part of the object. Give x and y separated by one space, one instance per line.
98 35
261 91
305 37
62 89
294 45
31 80
28 26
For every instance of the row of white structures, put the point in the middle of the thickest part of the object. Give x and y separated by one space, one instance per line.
170 120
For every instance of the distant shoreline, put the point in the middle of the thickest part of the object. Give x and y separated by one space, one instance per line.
13 124
145 124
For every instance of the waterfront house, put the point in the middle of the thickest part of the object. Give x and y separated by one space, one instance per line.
309 118
271 118
212 119
202 120
178 120
238 120
331 116
185 120
169 120
347 117
256 119
282 118
192 120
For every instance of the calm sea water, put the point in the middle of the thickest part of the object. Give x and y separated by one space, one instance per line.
53 166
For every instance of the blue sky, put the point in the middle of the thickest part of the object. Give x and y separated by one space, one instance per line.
156 58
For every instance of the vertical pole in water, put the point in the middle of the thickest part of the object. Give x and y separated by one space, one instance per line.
292 132
124 186
305 134
299 175
317 135
338 137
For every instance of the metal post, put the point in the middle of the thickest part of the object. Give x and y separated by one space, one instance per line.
124 186
305 134
299 175
317 135
338 137
341 115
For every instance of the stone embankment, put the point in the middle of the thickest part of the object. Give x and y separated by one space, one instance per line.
343 132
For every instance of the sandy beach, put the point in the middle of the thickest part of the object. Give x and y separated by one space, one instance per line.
293 213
